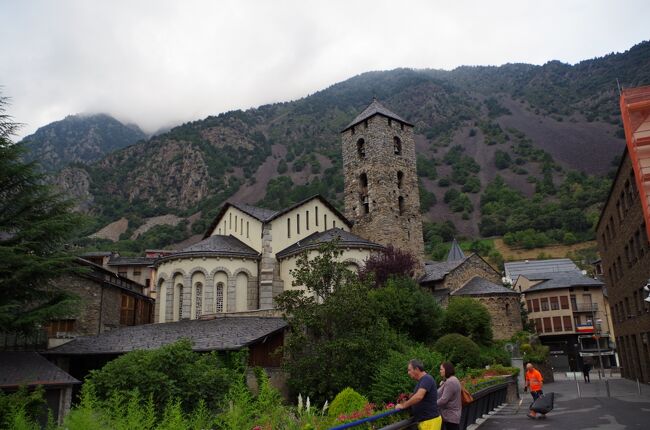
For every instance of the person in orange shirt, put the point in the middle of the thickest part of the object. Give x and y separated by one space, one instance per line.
534 382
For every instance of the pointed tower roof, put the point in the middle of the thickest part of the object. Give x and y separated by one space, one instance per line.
455 253
375 108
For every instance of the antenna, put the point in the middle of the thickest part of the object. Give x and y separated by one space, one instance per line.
618 84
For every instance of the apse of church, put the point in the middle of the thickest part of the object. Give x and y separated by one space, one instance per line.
381 186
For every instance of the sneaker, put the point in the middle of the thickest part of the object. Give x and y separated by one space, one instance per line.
531 416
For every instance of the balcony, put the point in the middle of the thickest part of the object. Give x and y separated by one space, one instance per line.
585 307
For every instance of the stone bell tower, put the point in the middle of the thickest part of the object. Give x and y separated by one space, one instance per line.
381 185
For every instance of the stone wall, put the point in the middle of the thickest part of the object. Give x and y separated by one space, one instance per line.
383 179
100 307
504 310
473 266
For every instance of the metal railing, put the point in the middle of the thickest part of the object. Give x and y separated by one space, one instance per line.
585 307
485 400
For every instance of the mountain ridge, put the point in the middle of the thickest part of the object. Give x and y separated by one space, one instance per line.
525 123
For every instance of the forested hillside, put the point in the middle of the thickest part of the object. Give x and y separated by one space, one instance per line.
519 149
79 138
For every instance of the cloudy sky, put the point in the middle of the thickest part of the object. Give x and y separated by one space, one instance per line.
159 62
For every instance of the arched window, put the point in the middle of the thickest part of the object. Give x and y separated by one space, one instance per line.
361 148
400 205
508 309
363 193
400 177
397 145
219 296
198 299
179 294
363 182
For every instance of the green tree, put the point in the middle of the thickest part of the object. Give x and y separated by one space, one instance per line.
409 309
337 337
470 318
35 225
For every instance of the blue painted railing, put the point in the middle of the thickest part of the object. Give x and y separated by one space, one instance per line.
367 420
485 400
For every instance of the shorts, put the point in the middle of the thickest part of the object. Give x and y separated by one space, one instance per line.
432 424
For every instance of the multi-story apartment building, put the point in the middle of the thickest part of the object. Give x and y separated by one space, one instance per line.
622 234
568 310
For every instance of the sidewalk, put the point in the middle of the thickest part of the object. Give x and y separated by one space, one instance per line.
625 409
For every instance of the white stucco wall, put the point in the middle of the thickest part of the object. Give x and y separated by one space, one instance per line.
281 238
241 225
353 256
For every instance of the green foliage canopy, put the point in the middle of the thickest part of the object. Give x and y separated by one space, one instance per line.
171 372
467 316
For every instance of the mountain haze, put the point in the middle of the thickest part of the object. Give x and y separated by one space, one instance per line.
530 125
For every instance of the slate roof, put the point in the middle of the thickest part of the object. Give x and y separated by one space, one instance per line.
455 253
266 215
97 254
556 280
479 286
131 261
437 270
219 334
313 241
29 368
217 245
376 108
258 213
527 267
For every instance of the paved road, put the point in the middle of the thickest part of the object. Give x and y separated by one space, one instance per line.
626 409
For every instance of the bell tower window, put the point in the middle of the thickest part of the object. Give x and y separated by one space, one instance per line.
397 145
400 178
363 192
361 148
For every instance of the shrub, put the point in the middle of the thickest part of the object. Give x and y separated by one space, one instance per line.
346 401
391 262
171 372
459 350
23 407
495 354
391 378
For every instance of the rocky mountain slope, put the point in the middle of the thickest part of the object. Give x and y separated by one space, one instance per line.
530 125
79 138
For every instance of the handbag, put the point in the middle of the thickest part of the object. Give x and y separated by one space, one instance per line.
465 396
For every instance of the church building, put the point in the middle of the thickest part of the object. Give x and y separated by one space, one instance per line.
247 254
